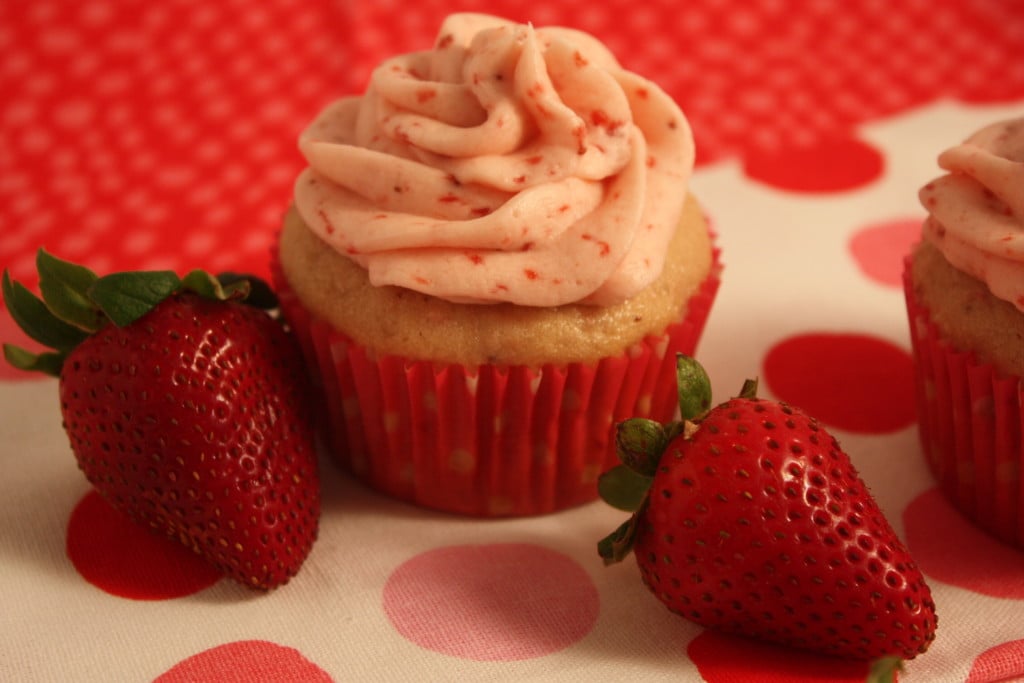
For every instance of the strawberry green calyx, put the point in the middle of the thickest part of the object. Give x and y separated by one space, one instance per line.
640 444
75 303
885 670
694 387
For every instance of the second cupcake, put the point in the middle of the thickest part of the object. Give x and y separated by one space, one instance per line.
965 296
492 258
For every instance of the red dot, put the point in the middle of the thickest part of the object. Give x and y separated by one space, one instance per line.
961 554
722 658
850 381
879 249
1004 662
243 661
830 165
501 602
125 559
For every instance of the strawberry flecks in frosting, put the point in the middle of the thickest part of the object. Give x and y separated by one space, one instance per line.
527 150
326 223
976 212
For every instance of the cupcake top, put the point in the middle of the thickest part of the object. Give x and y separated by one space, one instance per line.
976 211
507 164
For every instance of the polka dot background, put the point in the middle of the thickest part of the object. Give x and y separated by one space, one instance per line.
162 135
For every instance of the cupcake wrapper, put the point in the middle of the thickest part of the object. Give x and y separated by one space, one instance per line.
494 440
969 420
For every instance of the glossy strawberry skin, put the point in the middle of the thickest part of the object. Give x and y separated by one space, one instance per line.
193 420
758 524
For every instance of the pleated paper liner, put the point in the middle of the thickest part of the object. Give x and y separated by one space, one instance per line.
969 420
493 440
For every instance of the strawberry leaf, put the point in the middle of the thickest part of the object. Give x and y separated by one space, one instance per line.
64 286
884 670
639 443
126 297
248 289
210 287
37 321
623 488
694 387
261 295
49 363
619 543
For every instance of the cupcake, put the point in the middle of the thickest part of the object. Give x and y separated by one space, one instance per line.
491 258
964 286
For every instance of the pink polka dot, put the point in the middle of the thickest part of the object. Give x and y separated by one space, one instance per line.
829 165
244 661
850 381
1004 662
125 559
722 658
499 602
879 249
947 547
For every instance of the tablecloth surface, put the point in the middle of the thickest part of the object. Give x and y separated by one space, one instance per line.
162 135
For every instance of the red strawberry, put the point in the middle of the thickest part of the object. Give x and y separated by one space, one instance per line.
185 408
749 518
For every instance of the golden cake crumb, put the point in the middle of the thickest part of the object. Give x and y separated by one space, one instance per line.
395 321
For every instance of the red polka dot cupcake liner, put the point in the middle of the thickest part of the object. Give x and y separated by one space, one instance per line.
490 441
969 420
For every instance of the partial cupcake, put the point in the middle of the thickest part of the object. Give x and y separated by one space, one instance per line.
965 296
491 259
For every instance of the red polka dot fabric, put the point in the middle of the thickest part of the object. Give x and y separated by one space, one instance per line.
163 135
124 559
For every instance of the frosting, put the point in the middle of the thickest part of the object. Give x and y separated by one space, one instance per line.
507 163
976 211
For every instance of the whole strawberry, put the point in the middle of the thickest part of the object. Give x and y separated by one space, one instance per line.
185 408
750 519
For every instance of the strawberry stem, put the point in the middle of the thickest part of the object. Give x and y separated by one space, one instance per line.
749 389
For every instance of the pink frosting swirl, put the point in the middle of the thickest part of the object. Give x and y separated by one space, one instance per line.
507 164
976 212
